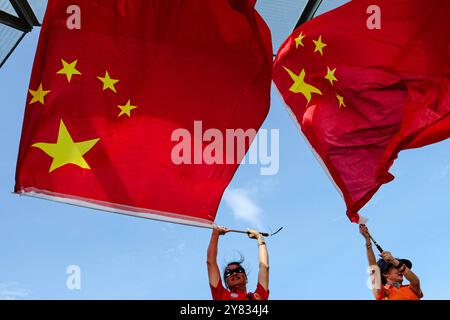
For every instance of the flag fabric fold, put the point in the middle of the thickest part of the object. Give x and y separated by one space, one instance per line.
362 95
113 80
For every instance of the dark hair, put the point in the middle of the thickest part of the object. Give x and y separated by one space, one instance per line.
238 263
383 278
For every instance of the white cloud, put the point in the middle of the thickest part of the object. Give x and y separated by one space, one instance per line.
176 253
445 172
13 291
442 174
243 207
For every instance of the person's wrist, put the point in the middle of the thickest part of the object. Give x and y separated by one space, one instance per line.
261 240
401 267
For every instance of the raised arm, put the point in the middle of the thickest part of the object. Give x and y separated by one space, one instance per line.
414 282
374 269
211 258
263 274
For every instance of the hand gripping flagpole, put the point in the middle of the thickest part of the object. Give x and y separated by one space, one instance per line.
376 243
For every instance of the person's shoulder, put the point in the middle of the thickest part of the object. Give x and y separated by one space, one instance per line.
407 287
219 285
261 293
417 292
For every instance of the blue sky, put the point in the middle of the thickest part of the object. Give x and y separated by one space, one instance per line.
318 255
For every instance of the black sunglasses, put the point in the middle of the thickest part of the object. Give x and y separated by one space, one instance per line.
229 272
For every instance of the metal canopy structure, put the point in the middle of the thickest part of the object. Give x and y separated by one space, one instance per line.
19 17
309 12
25 19
284 16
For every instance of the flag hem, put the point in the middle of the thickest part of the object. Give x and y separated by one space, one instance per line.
115 208
353 216
316 155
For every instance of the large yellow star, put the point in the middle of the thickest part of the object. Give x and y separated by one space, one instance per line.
126 109
330 75
300 86
69 69
299 40
65 150
341 101
39 95
108 83
319 45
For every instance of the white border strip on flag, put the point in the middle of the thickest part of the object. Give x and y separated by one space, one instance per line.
362 219
116 208
316 155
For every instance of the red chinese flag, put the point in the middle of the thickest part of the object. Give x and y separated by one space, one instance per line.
113 80
361 95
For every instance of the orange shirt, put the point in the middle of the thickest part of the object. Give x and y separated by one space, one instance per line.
389 292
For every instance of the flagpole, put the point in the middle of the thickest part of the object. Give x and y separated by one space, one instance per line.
376 244
97 207
264 234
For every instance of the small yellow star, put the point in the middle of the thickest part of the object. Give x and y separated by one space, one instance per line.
299 40
126 109
69 69
108 83
39 95
341 101
330 75
319 45
300 86
65 150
